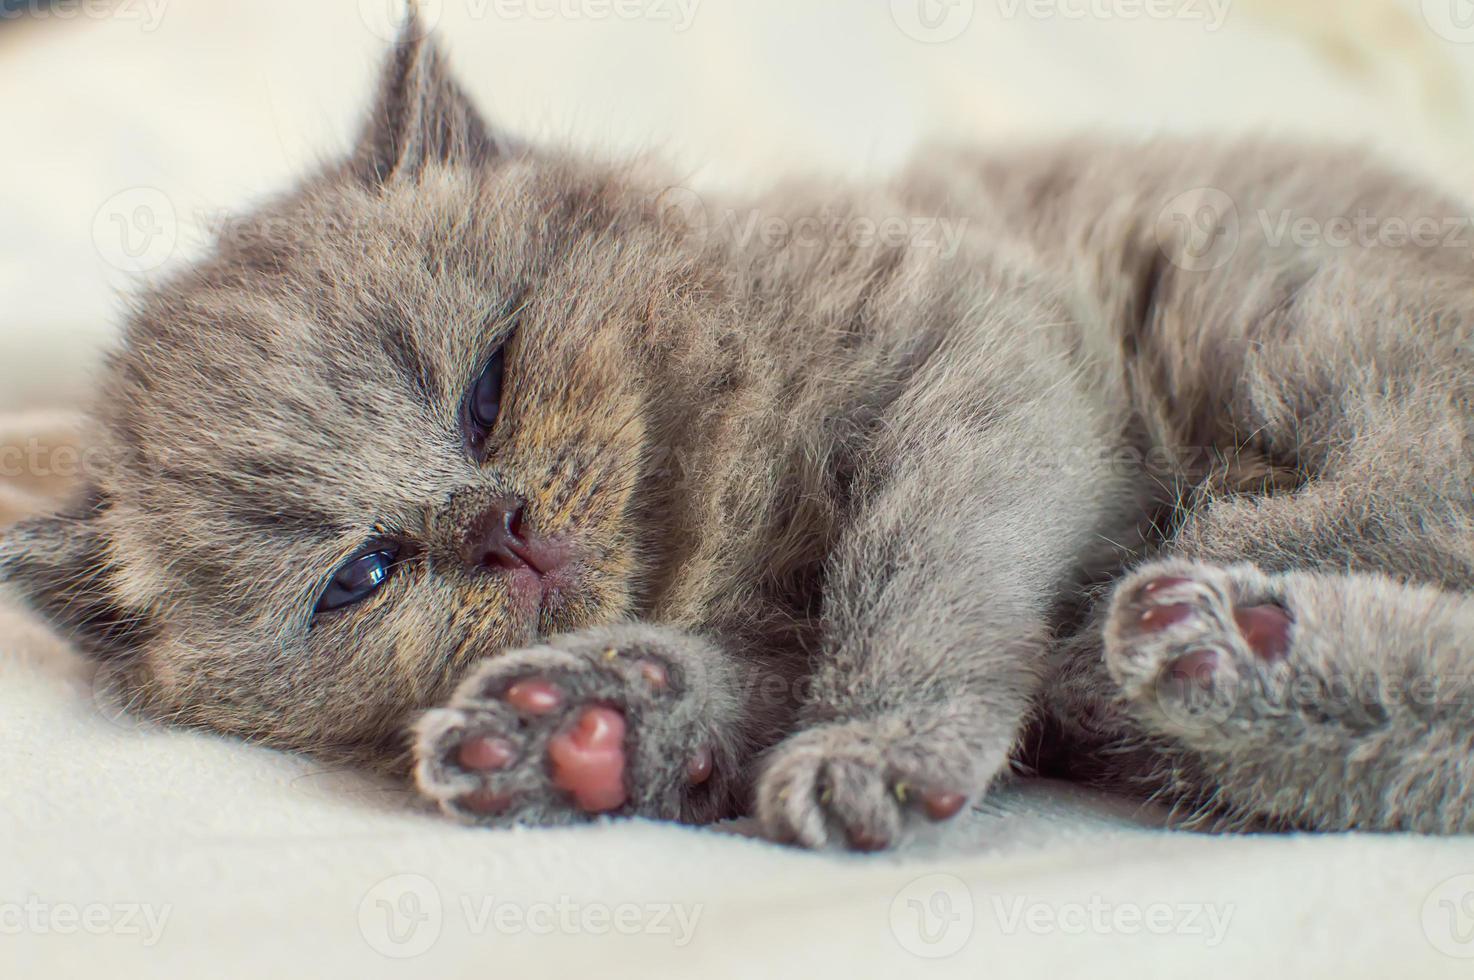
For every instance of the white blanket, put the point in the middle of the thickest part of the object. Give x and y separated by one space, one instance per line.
126 850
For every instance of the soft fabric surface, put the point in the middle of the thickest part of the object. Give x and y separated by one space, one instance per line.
127 850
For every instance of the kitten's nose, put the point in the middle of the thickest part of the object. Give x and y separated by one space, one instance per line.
499 539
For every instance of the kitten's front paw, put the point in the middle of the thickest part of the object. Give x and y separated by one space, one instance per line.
1196 646
858 783
613 722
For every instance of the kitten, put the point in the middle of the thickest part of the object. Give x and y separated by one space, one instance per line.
473 461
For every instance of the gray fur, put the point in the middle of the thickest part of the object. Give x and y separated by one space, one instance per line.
867 501
1364 725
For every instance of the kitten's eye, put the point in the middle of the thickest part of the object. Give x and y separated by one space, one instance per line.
485 401
358 579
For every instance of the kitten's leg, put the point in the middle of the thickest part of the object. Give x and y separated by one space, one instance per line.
1326 701
1279 735
1347 365
937 601
631 719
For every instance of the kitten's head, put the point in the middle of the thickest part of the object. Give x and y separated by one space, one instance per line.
399 420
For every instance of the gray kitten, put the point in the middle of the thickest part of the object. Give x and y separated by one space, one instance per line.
470 460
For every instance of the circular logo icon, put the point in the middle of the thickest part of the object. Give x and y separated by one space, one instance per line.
1448 917
136 230
1195 693
1452 20
400 917
933 21
683 211
933 916
386 17
1198 230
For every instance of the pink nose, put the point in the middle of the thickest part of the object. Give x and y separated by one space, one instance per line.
500 540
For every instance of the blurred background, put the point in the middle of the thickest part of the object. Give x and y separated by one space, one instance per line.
131 129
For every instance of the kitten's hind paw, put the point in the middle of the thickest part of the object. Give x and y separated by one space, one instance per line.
1197 647
589 725
1300 699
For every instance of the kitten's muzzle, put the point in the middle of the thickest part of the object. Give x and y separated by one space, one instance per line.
499 540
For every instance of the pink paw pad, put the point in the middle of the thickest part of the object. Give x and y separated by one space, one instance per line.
482 753
535 696
1164 583
1157 618
867 841
588 760
699 769
1194 669
1266 629
941 805
655 675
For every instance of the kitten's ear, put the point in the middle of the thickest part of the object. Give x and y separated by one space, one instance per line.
420 117
60 566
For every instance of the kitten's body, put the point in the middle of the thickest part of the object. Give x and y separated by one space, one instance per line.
846 517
